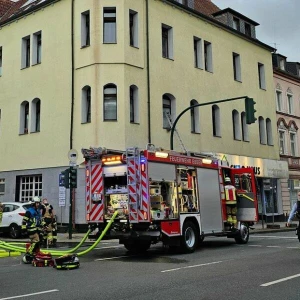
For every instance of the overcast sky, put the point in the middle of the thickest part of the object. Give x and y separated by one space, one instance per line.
279 22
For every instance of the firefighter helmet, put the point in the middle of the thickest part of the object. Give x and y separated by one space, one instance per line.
227 179
35 199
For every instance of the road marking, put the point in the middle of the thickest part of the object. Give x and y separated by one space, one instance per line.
278 281
109 258
255 245
292 247
275 236
110 247
194 266
29 295
273 246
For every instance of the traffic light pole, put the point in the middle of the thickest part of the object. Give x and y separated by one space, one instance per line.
71 214
194 106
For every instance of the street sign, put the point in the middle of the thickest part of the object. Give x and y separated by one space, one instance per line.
61 180
62 196
72 155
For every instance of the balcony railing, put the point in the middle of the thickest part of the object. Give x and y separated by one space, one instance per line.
293 162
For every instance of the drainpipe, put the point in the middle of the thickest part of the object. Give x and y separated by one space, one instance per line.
148 72
72 75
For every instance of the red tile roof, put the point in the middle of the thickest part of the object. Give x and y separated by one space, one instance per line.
206 7
5 5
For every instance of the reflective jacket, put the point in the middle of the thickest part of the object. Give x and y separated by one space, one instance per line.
1 213
47 211
31 221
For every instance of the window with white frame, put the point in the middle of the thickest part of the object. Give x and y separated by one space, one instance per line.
109 25
236 125
237 74
282 144
169 110
269 132
245 131
35 115
236 24
261 76
86 105
1 60
167 41
290 103
279 100
293 143
110 102
195 117
134 104
133 28
262 130
198 62
30 186
37 48
25 53
216 121
85 29
24 117
208 56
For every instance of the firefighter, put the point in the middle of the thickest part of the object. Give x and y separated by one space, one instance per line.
49 220
295 211
230 194
31 223
1 212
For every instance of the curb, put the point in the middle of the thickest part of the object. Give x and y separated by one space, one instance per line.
255 231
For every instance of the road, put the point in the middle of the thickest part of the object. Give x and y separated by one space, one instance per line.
266 268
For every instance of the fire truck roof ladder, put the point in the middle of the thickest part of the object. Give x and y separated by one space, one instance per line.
133 157
169 118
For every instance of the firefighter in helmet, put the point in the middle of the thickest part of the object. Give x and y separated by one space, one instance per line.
31 223
1 212
49 219
230 195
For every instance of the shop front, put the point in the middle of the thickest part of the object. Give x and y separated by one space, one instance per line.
268 173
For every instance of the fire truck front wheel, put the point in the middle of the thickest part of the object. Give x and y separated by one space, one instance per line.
189 238
243 235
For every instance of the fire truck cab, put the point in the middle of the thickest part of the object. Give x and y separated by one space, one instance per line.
167 196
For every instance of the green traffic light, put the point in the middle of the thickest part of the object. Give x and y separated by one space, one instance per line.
73 178
250 111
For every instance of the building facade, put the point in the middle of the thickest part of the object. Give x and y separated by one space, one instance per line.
287 95
115 73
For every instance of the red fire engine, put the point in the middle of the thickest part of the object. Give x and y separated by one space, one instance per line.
167 196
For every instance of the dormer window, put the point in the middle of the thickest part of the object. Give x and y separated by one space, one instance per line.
281 64
236 24
247 29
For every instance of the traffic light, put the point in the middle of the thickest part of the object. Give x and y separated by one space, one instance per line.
66 178
250 111
73 178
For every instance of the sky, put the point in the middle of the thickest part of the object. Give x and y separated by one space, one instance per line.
279 22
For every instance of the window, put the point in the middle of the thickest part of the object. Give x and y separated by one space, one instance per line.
236 67
30 186
86 105
24 117
133 28
134 104
110 102
216 121
109 26
279 100
167 41
198 53
247 29
282 147
281 64
2 186
36 115
236 125
245 133
37 48
85 29
269 132
236 24
208 56
25 60
293 142
290 103
169 110
262 130
195 118
0 61
261 76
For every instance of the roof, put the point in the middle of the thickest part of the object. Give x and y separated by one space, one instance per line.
235 13
206 7
5 5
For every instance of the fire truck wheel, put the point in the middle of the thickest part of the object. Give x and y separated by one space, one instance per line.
189 238
243 235
138 246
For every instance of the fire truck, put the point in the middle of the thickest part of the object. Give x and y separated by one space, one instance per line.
166 196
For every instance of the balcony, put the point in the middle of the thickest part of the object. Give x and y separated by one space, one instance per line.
293 162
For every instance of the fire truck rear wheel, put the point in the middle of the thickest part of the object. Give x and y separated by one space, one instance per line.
137 246
243 235
189 238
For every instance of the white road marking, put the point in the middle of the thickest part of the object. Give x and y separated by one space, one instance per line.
278 281
194 266
273 246
29 295
255 245
274 236
110 247
109 258
292 247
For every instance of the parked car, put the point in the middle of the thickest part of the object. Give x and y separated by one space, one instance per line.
13 214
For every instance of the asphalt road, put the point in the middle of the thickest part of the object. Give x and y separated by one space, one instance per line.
266 268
